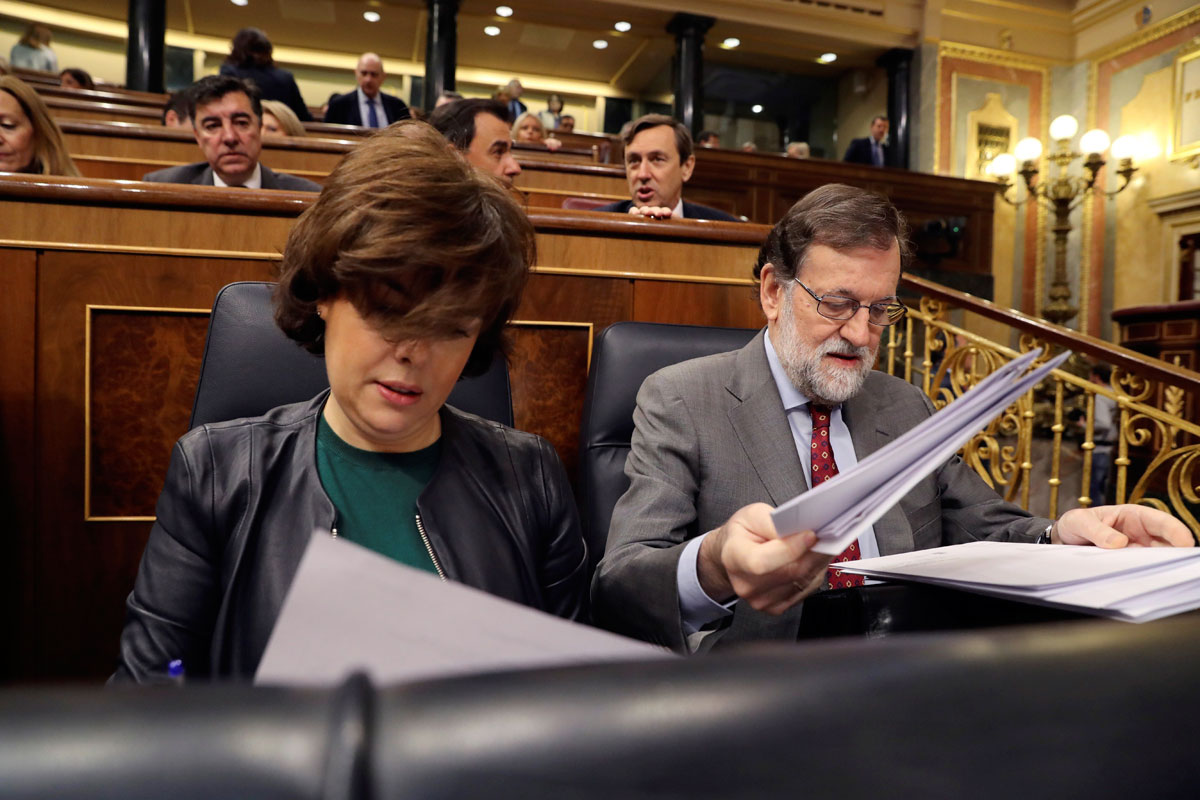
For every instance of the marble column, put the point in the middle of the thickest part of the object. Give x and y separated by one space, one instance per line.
898 63
689 31
441 42
145 53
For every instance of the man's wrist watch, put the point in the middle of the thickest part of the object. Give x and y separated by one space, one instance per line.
1044 536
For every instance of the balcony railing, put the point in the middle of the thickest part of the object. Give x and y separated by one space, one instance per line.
1044 446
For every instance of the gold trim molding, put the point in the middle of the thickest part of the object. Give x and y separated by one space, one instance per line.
1156 31
990 55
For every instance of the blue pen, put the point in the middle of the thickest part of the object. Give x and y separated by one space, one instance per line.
175 671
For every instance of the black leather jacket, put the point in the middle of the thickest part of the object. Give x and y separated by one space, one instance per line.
242 499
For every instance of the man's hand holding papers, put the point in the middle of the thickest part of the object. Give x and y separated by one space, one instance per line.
1120 526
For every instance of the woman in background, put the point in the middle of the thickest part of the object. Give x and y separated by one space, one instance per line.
33 51
30 140
528 129
76 78
251 58
278 120
552 116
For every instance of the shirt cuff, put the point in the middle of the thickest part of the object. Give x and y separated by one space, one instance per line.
696 608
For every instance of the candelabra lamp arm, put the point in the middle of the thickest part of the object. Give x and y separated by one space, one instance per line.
1125 169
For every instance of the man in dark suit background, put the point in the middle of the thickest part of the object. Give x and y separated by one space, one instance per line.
658 161
870 149
367 105
226 114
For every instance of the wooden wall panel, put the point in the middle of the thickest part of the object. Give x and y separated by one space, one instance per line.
18 480
548 371
730 306
576 298
143 372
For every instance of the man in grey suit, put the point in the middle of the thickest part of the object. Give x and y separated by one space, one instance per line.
226 114
718 441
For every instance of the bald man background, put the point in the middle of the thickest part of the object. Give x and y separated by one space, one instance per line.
367 105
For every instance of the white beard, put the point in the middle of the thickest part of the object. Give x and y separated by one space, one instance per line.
818 381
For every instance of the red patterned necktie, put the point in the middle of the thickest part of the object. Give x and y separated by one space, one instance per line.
824 468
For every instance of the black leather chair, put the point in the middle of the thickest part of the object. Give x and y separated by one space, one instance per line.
624 355
250 366
1074 711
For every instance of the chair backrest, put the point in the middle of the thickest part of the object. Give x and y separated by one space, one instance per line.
250 366
624 355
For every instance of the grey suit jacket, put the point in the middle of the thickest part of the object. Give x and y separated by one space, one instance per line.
201 174
710 437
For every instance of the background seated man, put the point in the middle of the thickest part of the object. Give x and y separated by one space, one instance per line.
658 162
720 440
174 112
478 128
367 105
567 123
872 150
226 114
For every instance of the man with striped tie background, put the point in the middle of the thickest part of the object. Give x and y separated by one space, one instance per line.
367 105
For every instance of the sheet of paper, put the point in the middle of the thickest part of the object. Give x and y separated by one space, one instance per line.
350 608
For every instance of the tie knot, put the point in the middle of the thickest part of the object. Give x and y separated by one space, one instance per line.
820 415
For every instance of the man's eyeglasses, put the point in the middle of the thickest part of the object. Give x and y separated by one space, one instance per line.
834 306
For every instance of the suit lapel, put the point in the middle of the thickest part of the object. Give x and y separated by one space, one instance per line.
206 177
269 181
871 429
761 426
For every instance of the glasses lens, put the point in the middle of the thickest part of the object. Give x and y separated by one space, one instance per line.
837 307
886 313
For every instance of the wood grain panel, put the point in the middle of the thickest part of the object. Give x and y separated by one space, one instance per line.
542 176
643 255
696 304
82 571
549 379
572 298
18 482
143 370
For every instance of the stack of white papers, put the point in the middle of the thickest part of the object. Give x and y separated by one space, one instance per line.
1134 584
843 507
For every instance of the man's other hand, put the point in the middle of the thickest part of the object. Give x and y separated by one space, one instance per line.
1121 526
746 558
651 212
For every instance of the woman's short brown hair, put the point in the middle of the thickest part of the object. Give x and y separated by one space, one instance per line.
50 156
414 237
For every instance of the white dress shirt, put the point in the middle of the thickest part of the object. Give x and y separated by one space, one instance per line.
253 182
696 608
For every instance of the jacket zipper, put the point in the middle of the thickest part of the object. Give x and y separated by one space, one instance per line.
429 548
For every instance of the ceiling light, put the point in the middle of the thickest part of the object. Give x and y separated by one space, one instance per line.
504 11
240 2
731 42
756 108
827 58
600 44
492 30
623 27
371 16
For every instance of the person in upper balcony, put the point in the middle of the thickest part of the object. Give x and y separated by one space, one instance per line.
478 128
552 116
718 441
709 139
658 162
76 78
226 114
32 50
873 149
30 140
251 57
528 129
404 274
367 105
566 123
798 150
512 92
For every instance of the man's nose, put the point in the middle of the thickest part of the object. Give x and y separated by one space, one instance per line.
857 329
643 171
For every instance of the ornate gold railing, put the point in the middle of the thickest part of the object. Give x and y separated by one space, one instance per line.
1047 440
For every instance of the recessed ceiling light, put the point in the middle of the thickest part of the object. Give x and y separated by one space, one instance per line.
827 58
371 16
492 30
623 27
731 42
240 2
600 44
504 11
756 108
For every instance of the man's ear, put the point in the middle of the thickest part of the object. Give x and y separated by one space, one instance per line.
687 167
770 292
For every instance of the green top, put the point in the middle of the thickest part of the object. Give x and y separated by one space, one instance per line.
375 495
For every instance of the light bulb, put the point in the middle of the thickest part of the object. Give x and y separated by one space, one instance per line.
371 16
827 58
1003 165
1094 141
600 44
491 30
503 11
1063 127
731 42
1125 146
1028 149
623 26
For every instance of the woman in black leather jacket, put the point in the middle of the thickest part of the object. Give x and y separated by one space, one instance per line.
403 273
